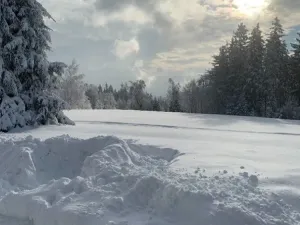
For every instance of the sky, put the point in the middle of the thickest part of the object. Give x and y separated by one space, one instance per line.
116 41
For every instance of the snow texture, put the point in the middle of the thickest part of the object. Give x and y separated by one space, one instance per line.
106 181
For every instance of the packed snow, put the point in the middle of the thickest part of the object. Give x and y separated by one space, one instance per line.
148 168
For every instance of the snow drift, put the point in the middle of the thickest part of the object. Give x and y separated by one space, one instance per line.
106 180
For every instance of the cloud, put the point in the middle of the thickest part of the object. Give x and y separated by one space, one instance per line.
129 14
162 13
123 49
64 10
117 5
153 39
283 7
180 60
180 13
288 11
142 72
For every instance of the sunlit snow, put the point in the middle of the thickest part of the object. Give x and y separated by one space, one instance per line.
150 168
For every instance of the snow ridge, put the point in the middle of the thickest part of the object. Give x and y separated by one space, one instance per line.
105 180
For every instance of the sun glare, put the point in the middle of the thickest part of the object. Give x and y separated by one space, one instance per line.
250 7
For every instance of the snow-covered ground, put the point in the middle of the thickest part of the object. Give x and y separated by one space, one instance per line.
152 168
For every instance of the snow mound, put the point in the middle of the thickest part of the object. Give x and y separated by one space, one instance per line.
108 181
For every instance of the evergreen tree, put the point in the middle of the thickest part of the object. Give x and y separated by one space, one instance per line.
156 105
110 89
205 99
295 69
277 84
106 88
255 91
93 95
109 101
137 94
218 78
174 97
191 97
27 78
122 97
147 102
237 62
100 89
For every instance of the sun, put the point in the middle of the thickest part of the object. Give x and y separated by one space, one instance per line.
250 7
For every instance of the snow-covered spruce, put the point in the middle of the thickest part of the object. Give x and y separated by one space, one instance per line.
27 78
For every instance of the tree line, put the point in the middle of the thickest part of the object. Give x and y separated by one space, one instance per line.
253 76
250 76
131 95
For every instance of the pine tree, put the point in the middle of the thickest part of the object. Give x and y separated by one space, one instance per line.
295 69
100 89
109 101
277 84
218 78
93 95
206 95
174 96
255 94
191 97
123 97
105 90
237 104
27 77
137 94
155 105
110 89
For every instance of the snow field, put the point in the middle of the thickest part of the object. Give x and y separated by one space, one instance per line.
106 181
